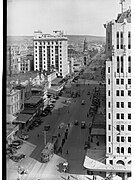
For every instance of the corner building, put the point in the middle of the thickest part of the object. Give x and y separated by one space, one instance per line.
118 94
50 52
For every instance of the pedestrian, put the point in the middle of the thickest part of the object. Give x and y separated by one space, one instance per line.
67 152
68 178
98 143
58 134
37 135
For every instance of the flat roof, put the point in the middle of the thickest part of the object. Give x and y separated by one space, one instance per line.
22 76
56 80
10 118
28 111
23 118
33 100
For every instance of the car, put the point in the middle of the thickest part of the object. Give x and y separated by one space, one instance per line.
56 97
15 146
20 142
45 113
75 122
31 127
47 127
86 145
36 124
83 102
18 157
53 100
83 125
24 136
11 150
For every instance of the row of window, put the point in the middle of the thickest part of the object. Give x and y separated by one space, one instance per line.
45 67
120 104
120 139
120 92
15 98
14 108
49 54
120 40
120 127
118 81
121 150
49 43
120 116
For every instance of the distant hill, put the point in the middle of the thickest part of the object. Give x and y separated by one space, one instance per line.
71 39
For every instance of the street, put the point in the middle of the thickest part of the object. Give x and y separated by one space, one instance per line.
64 113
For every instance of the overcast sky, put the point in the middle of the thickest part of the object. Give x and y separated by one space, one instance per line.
79 17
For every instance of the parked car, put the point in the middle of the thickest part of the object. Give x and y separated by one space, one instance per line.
36 124
24 136
18 157
86 145
83 125
53 100
47 127
75 122
31 127
83 102
45 113
65 167
20 142
15 146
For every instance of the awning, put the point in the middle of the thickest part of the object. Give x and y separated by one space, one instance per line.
95 165
97 131
23 118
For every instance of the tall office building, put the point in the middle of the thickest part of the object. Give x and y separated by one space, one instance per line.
50 52
118 93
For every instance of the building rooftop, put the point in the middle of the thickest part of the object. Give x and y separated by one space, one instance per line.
23 118
57 81
33 100
125 15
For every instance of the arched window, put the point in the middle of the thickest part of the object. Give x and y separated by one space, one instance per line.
120 162
122 150
129 150
118 150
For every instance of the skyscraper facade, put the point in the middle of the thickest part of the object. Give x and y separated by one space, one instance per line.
50 52
118 94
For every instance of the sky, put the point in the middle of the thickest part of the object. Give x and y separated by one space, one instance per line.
74 17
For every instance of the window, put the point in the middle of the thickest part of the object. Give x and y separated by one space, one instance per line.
118 65
108 69
111 162
118 139
109 104
129 139
122 127
117 81
109 115
118 150
122 104
129 116
122 138
129 40
122 116
117 104
129 149
122 65
118 127
60 62
109 127
117 93
122 150
129 92
121 35
117 35
129 81
129 127
122 92
108 92
129 104
129 64
109 138
109 149
122 81
117 116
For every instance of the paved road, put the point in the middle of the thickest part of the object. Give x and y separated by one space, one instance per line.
76 138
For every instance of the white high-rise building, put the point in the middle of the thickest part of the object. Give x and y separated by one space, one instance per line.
50 52
118 93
